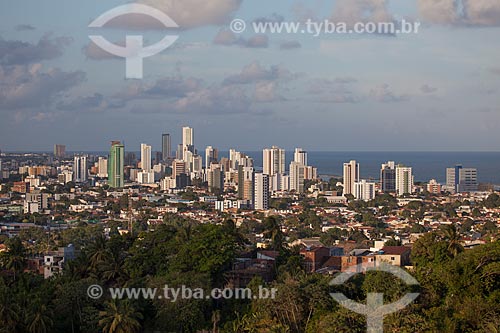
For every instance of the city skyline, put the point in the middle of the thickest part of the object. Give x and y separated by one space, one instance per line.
228 165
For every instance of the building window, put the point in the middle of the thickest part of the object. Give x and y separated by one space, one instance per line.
393 258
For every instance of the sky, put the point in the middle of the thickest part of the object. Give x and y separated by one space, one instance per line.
436 90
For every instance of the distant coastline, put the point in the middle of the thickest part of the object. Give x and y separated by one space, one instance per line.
426 165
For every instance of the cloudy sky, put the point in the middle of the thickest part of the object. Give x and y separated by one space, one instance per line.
435 90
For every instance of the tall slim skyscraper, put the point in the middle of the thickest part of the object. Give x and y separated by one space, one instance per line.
146 176
166 146
273 161
179 152
261 192
145 157
404 180
187 142
102 168
215 178
388 177
187 136
59 151
196 164
300 156
297 176
351 175
116 164
80 169
246 183
211 156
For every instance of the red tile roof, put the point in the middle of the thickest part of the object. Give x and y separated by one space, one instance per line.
397 250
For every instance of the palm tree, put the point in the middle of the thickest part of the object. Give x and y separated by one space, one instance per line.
9 312
97 253
38 319
273 231
112 270
120 317
452 237
15 258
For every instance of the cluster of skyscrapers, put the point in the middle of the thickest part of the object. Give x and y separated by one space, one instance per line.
399 179
254 186
393 179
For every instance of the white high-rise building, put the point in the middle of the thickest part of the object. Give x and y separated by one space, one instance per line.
261 192
188 158
211 156
245 161
246 183
273 161
351 175
168 183
80 169
102 167
279 182
364 190
187 142
404 180
300 156
146 176
145 157
297 176
187 136
197 164
234 158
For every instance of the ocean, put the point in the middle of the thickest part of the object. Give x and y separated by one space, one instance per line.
426 165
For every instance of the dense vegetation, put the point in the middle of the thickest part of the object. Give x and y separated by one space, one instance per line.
460 290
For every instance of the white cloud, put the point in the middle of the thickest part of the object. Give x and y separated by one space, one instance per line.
266 92
186 13
483 12
15 52
353 11
461 12
228 38
384 94
254 72
28 87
